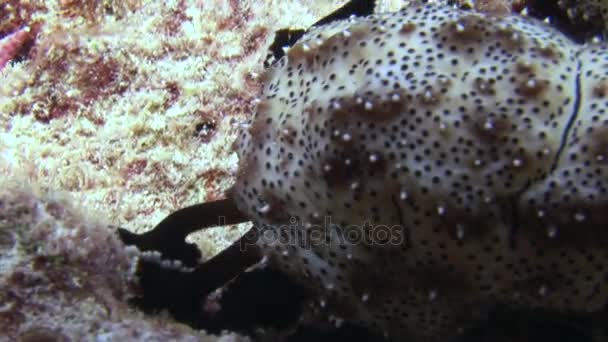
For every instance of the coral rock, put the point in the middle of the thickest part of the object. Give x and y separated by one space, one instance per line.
66 277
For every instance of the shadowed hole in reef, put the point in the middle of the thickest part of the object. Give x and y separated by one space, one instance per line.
263 298
576 28
259 298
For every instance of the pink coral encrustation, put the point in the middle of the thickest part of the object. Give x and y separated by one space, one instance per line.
11 44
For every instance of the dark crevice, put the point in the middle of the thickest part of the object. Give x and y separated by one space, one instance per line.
169 236
575 27
357 8
575 110
288 37
182 291
260 298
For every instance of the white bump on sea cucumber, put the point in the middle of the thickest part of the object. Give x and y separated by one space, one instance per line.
488 125
459 231
265 208
517 162
441 210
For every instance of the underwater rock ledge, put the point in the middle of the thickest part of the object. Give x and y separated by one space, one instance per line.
66 277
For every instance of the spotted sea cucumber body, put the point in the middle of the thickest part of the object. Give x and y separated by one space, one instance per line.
453 161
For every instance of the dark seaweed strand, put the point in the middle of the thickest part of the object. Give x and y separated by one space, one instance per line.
168 237
282 38
357 8
288 37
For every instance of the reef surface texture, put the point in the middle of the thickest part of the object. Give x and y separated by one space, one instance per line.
132 106
127 108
